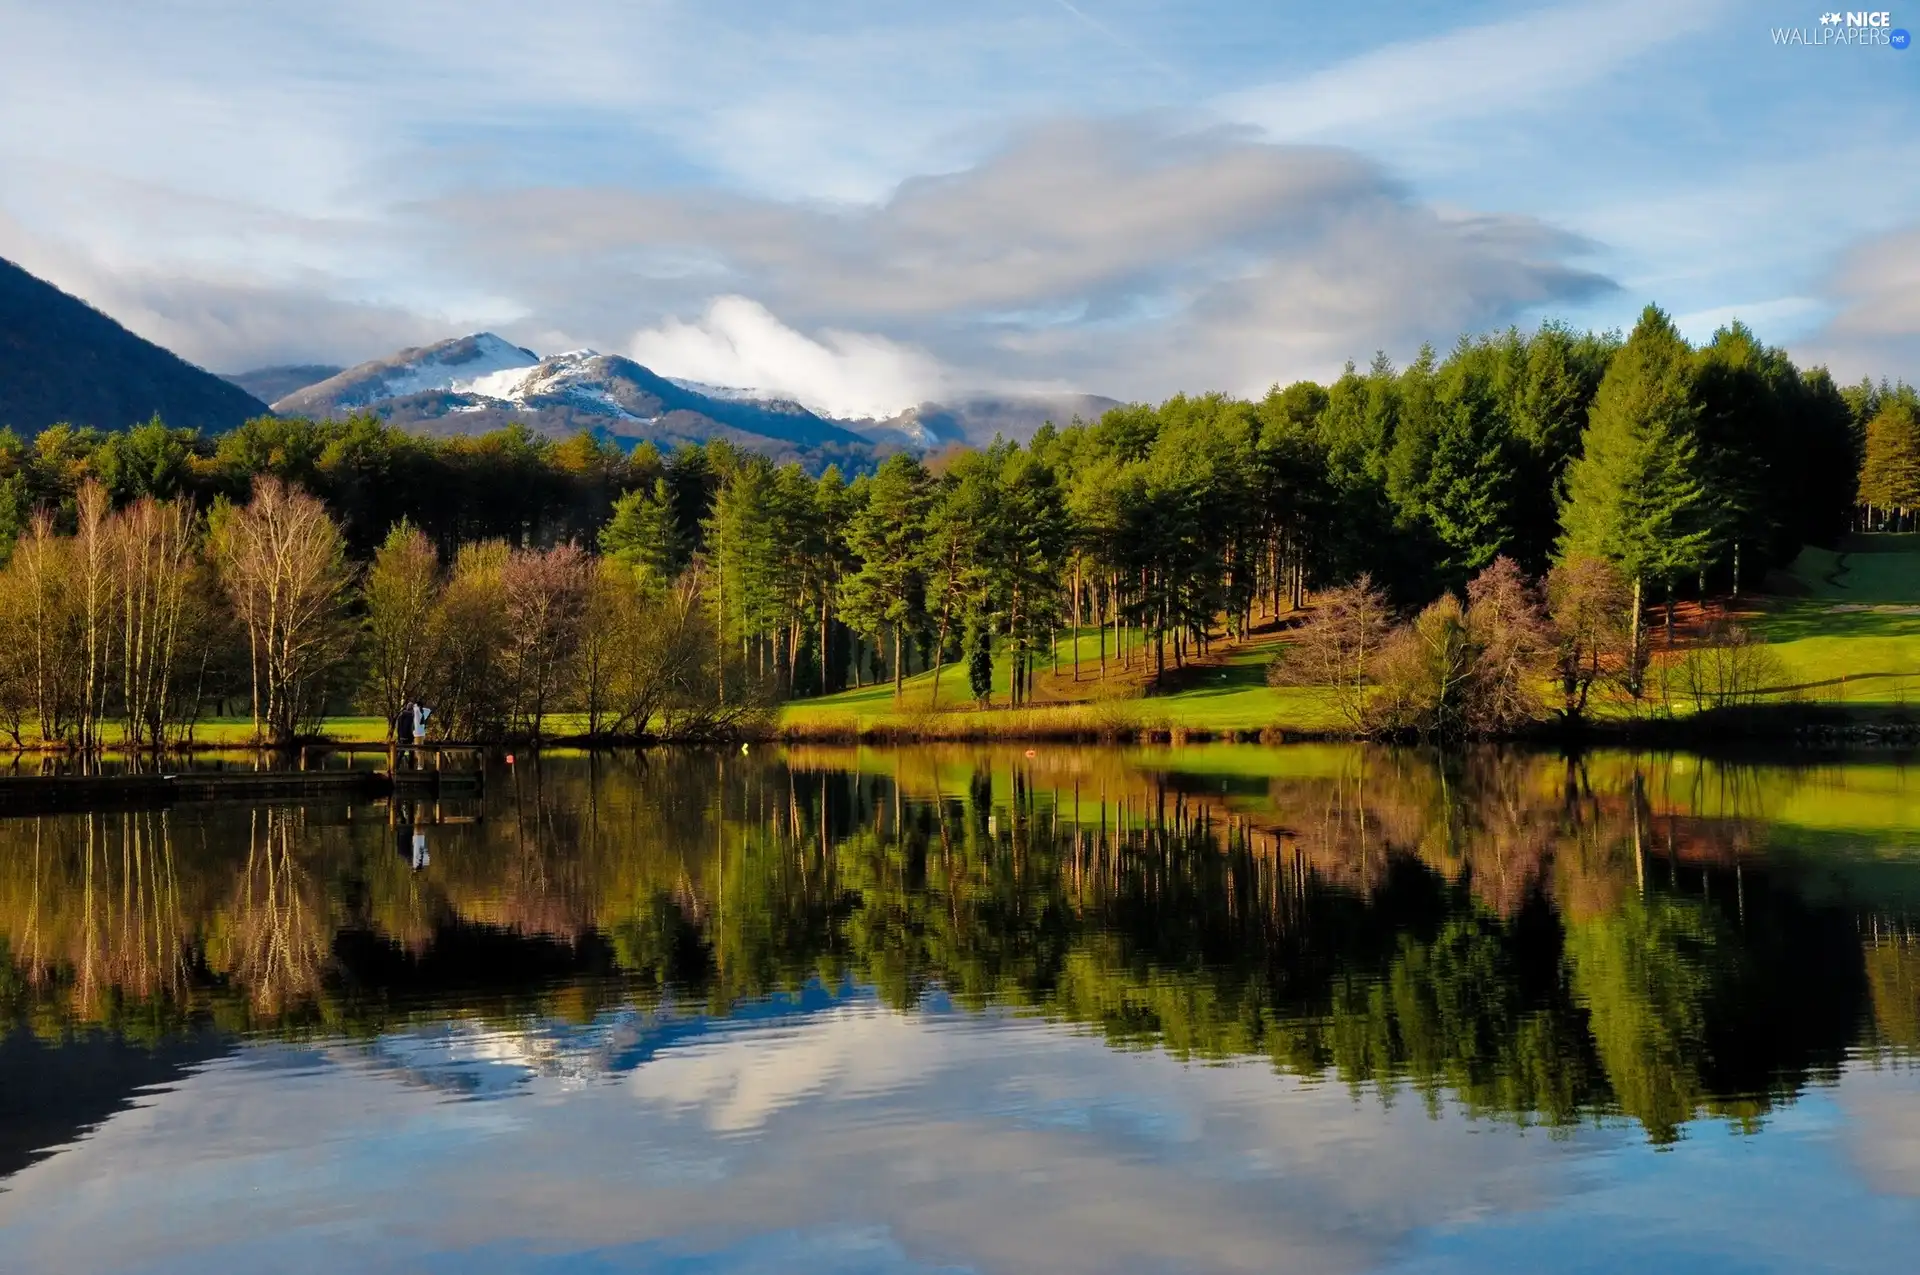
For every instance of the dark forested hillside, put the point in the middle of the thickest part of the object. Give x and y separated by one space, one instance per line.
63 360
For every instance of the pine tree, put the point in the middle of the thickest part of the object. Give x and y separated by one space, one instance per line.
1636 497
644 534
1465 493
979 661
886 537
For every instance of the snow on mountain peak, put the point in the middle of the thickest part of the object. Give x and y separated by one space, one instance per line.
456 364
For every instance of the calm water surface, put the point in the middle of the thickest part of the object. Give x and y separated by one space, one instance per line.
1205 1009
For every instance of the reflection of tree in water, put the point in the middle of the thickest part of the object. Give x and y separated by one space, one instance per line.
1441 958
1893 979
102 933
1531 938
275 939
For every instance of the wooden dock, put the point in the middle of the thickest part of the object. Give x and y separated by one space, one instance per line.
40 794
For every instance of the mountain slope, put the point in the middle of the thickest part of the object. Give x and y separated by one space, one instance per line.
443 366
270 383
63 360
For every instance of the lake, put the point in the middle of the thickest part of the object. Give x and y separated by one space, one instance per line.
1309 1008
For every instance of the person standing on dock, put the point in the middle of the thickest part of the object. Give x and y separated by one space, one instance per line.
420 715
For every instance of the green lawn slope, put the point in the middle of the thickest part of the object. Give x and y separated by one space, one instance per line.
1845 625
1223 693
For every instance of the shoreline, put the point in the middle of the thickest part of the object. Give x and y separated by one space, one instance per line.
1798 725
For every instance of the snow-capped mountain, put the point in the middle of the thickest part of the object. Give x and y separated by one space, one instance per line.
477 383
480 382
444 366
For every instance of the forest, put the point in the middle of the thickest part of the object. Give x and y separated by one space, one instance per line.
1539 495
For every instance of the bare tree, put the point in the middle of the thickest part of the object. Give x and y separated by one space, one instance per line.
546 604
158 583
95 593
1337 646
46 648
680 669
1467 671
1426 673
1512 650
1731 668
402 593
16 658
284 566
1590 607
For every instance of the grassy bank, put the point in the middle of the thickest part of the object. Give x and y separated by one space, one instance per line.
1222 694
1844 626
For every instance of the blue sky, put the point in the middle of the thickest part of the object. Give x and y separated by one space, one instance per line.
870 203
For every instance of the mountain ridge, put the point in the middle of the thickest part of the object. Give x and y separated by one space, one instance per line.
465 384
63 361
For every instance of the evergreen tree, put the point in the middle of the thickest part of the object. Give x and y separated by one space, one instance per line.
1637 495
884 593
644 534
833 510
1465 493
744 557
980 660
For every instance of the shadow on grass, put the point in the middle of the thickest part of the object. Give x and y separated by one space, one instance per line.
1848 679
1797 621
1202 681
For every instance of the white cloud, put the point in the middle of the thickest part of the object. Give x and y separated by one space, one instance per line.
1124 258
739 342
1875 297
1471 71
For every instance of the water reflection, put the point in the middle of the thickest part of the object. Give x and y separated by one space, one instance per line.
1532 939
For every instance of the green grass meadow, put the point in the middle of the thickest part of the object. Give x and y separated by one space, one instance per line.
1845 626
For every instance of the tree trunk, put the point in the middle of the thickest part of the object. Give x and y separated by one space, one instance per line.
1634 683
896 665
1105 600
1077 585
1013 651
939 656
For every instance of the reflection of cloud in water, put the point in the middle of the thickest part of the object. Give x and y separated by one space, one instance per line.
738 1080
855 1138
1883 1126
997 1143
476 1059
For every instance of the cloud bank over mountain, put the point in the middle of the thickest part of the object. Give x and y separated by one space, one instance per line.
739 343
1127 200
